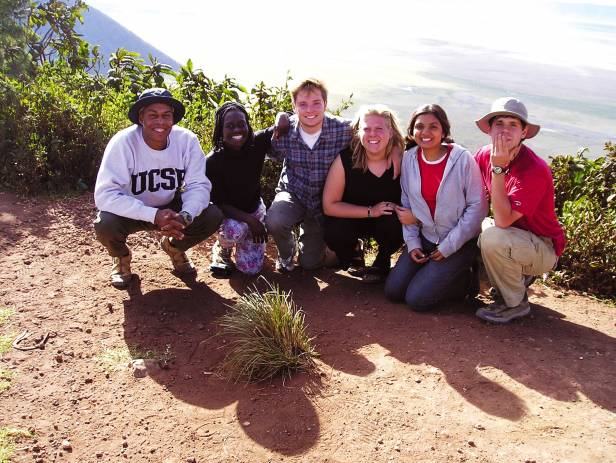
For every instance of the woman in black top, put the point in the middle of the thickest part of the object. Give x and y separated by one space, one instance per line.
360 196
234 167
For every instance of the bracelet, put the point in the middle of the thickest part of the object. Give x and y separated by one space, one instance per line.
369 211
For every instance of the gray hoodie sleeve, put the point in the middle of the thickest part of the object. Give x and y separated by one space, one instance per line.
476 209
410 233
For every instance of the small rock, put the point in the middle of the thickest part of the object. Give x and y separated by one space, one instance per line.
480 427
139 368
125 444
191 460
59 358
88 330
66 445
471 443
380 441
99 454
246 423
88 380
110 307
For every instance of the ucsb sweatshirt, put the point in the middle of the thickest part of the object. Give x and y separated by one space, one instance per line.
134 179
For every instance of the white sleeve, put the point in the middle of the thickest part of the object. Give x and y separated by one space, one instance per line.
197 187
113 183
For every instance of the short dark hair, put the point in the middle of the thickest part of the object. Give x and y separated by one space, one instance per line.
437 112
506 115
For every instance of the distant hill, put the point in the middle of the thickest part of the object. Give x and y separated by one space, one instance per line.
99 29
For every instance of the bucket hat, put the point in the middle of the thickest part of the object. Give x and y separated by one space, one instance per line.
508 106
156 95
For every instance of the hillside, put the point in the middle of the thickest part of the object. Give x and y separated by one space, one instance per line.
100 29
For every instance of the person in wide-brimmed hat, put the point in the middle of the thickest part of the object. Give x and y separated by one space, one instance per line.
152 177
525 238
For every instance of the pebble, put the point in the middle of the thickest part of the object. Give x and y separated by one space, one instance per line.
139 368
66 445
246 423
59 358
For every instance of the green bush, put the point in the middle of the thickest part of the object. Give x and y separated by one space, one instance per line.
267 336
586 205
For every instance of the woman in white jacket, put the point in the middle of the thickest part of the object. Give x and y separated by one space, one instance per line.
442 186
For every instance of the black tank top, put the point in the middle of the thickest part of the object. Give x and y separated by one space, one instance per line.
365 188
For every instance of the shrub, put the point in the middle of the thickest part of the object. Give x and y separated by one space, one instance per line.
586 205
268 336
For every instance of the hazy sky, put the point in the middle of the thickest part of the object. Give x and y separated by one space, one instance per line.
263 39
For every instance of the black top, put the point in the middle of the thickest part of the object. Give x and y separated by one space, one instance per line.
365 188
236 175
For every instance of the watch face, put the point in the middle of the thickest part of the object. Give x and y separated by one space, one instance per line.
497 170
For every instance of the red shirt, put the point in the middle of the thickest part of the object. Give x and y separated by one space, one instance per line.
431 177
530 188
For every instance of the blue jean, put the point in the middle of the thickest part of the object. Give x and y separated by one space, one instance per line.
422 286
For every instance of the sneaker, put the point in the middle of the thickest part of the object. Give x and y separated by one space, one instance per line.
179 259
285 265
120 272
498 312
222 264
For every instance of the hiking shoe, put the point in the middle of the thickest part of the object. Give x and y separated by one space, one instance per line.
357 268
286 265
120 272
179 259
222 264
498 312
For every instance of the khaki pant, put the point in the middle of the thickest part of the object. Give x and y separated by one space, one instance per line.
510 254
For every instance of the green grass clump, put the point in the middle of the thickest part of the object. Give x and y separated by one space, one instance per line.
5 343
8 438
268 336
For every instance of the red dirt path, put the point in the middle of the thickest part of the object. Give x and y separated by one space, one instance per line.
394 385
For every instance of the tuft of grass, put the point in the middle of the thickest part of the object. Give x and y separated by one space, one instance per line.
5 314
8 438
267 336
5 343
117 358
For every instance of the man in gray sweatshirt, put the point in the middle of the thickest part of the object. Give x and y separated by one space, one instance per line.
152 177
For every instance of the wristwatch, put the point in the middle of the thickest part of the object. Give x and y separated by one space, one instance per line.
499 170
187 218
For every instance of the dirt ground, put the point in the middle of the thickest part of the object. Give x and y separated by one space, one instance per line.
394 385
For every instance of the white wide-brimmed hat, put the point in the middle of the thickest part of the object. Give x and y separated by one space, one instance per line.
508 106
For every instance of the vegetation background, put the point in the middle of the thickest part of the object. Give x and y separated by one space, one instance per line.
59 112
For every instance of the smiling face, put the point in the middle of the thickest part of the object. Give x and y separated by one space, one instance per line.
234 130
428 132
157 121
374 133
511 128
309 106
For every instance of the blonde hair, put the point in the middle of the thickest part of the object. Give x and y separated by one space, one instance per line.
396 139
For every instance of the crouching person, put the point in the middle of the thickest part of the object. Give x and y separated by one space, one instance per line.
525 238
152 177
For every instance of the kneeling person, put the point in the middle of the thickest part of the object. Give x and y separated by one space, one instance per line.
152 177
526 238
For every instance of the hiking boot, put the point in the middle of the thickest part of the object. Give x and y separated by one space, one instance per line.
120 272
222 264
179 259
498 312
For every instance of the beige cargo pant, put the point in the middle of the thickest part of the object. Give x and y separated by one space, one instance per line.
510 254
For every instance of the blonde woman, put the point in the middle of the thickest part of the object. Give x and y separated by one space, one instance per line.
360 197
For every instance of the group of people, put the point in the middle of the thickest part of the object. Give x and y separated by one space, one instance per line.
342 181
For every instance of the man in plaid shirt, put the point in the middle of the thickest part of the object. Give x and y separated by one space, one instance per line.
313 142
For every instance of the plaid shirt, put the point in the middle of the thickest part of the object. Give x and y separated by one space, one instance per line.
304 170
